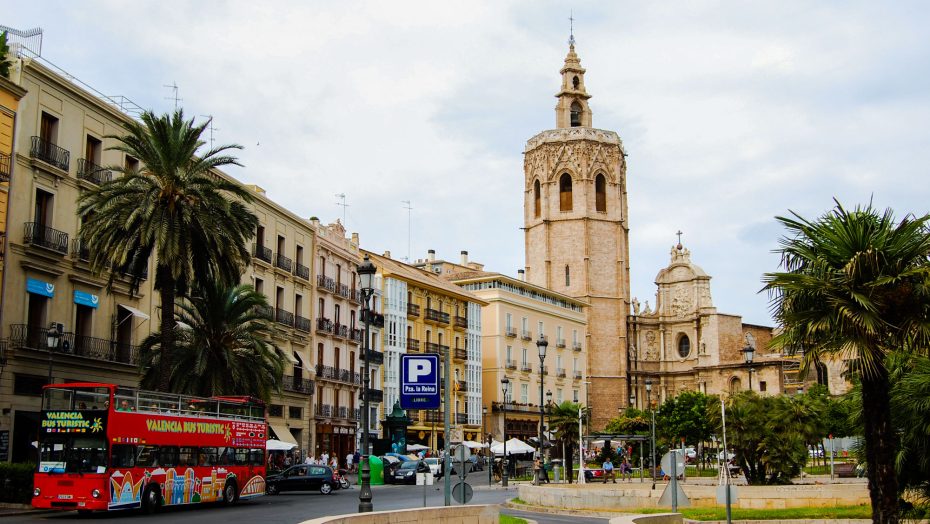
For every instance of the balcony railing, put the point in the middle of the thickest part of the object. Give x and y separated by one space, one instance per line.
526 368
437 316
515 407
526 335
578 375
413 345
560 372
435 416
375 395
511 364
41 235
302 324
461 322
342 290
93 173
355 335
377 357
262 253
432 347
326 283
341 330
266 312
324 324
344 412
4 168
461 418
576 346
560 342
36 337
324 410
413 310
282 262
510 332
460 354
339 375
461 385
355 295
79 251
50 153
375 319
284 317
298 384
302 271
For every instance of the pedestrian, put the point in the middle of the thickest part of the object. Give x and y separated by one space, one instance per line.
357 459
537 473
609 471
334 463
324 458
349 462
309 460
287 461
545 472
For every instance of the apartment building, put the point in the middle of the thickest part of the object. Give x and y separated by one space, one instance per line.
424 313
515 315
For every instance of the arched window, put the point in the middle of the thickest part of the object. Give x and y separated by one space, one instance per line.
684 346
565 192
568 279
575 82
736 385
576 114
600 193
822 376
536 205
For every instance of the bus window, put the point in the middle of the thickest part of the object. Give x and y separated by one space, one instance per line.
207 457
91 398
257 457
59 399
242 457
148 456
168 456
187 456
122 456
226 456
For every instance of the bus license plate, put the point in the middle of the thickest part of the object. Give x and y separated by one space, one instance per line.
65 497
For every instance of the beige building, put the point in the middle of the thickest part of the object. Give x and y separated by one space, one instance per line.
577 231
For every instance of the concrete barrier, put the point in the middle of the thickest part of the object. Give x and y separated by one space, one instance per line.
624 497
485 514
653 518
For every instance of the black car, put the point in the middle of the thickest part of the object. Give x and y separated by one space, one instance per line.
302 477
406 472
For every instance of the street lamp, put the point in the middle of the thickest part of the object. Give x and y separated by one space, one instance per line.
366 274
748 353
484 427
549 413
505 387
52 336
652 430
542 344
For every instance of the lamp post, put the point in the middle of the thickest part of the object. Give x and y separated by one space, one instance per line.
542 344
366 273
652 430
52 336
505 387
748 353
490 459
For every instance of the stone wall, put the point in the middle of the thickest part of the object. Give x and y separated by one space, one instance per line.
486 514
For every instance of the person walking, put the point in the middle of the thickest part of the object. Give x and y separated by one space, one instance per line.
350 458
537 474
609 471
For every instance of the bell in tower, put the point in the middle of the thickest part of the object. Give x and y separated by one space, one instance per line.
572 109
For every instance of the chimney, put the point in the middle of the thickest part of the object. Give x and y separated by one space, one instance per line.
521 275
464 258
431 255
387 254
355 238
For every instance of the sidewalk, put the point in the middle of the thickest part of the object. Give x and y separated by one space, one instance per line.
8 509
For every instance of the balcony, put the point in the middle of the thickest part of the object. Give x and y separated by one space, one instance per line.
344 412
282 262
460 354
79 251
434 416
515 407
413 345
4 168
461 385
461 418
324 282
560 372
526 335
576 346
266 312
342 290
432 347
93 173
578 375
413 310
23 336
377 357
511 364
298 384
341 330
437 316
261 252
355 336
284 317
560 342
374 319
324 410
50 153
461 322
302 271
43 236
324 325
302 324
526 368
375 395
510 332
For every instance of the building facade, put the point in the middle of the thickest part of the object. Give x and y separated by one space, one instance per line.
577 231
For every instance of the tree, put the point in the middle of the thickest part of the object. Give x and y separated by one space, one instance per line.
194 222
854 286
222 346
633 421
564 420
4 52
685 417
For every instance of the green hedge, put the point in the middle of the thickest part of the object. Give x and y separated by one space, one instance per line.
16 482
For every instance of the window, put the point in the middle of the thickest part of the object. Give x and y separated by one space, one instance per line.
92 149
319 359
37 318
822 375
131 165
295 412
600 193
282 245
575 364
539 327
43 208
574 395
568 276
576 114
684 346
558 361
259 286
83 325
336 313
275 410
536 204
574 336
48 130
558 334
323 266
260 236
524 393
762 386
322 307
279 297
524 357
524 323
509 354
509 321
558 396
575 82
565 192
298 305
30 385
299 255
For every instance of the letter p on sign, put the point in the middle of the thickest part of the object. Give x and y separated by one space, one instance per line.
418 367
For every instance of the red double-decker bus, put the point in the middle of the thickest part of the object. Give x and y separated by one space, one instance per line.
102 447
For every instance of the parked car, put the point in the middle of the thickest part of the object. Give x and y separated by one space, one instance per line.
406 473
730 455
302 477
390 465
433 463
690 452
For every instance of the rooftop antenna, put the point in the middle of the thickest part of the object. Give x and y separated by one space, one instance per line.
174 86
344 206
571 29
210 128
409 208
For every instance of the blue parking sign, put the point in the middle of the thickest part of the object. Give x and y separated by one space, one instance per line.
419 381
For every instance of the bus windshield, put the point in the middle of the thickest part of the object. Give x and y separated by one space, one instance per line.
73 454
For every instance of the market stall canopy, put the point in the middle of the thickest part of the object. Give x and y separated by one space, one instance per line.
416 447
471 444
515 446
277 445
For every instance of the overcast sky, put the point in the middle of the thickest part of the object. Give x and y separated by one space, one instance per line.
732 113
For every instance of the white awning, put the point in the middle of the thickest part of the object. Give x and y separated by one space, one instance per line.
135 312
297 360
289 358
283 434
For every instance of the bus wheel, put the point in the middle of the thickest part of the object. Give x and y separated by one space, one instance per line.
151 499
229 493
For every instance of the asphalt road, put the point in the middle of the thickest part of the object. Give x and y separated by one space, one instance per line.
291 508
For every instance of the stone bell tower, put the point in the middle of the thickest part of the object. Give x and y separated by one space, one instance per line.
577 234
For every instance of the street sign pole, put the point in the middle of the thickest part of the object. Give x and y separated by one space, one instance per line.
447 463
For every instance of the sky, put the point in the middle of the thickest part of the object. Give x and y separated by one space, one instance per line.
732 113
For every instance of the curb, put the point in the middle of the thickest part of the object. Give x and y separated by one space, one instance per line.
556 511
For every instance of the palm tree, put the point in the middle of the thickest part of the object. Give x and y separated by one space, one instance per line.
175 207
854 286
222 346
564 420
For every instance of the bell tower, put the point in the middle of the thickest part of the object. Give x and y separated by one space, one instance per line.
577 234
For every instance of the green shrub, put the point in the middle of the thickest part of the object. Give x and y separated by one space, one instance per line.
16 482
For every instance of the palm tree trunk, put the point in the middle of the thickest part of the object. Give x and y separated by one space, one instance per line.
168 323
880 445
